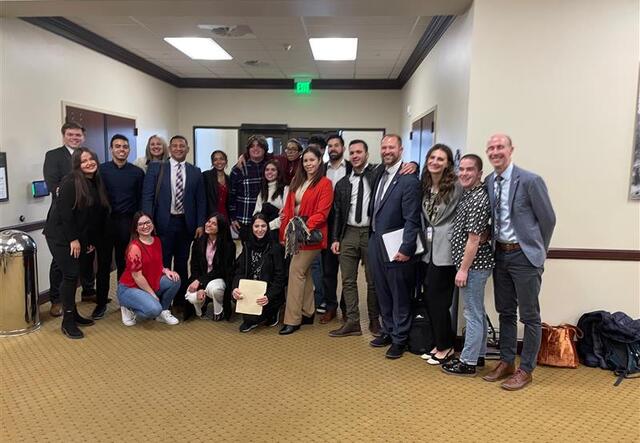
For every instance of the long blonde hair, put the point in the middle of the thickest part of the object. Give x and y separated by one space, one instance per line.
165 149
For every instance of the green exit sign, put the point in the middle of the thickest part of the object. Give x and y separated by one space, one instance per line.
303 87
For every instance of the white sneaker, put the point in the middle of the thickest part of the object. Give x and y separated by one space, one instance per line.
192 297
166 317
128 316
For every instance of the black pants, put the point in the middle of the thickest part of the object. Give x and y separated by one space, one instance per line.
330 266
439 286
268 312
176 245
69 268
115 236
87 278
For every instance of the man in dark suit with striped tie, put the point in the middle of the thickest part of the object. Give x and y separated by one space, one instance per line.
173 194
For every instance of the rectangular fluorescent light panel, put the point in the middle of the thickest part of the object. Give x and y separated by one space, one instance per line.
334 48
199 48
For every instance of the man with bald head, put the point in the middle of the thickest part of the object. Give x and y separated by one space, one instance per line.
523 222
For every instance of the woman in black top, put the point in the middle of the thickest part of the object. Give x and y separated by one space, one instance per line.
74 222
261 259
212 262
216 185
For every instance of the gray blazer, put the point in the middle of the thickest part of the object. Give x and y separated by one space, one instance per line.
531 213
439 249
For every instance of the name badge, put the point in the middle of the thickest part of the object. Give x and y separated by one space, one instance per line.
429 234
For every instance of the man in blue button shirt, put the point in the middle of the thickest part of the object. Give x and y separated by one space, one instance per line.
123 182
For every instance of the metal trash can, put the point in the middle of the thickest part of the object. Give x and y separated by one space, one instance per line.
18 284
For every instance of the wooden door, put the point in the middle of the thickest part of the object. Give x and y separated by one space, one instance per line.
121 125
94 124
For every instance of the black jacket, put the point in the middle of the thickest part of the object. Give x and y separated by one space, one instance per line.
66 223
222 262
272 270
57 164
210 178
342 201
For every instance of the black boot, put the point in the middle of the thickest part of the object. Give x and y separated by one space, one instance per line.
69 326
80 320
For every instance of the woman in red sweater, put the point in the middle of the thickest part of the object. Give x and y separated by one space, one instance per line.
146 288
310 198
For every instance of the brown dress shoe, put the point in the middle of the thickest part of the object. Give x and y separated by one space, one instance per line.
501 371
328 316
347 329
55 310
517 381
374 327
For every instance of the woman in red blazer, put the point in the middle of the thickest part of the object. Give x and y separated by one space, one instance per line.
310 197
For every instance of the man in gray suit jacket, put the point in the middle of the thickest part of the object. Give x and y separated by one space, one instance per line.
523 221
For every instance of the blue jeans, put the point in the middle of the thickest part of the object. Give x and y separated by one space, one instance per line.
144 304
475 337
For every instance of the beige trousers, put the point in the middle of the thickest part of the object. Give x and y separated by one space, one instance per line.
300 293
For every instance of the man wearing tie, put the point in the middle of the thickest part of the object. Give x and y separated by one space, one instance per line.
57 164
173 194
395 205
350 238
523 221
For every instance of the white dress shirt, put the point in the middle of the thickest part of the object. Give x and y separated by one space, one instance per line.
336 174
366 197
392 170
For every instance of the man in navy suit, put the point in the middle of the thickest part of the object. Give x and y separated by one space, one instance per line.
523 221
395 204
173 194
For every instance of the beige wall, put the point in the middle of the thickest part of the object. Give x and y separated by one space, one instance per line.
320 109
561 78
441 82
38 72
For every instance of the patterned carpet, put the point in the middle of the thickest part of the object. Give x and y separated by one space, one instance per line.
204 381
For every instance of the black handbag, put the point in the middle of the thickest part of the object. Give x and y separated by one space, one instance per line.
315 235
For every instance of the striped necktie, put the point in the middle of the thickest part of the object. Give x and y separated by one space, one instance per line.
179 189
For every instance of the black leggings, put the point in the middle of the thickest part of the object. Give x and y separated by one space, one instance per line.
439 286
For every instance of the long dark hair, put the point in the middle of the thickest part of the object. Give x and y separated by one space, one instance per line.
301 173
264 184
224 233
134 224
84 198
448 180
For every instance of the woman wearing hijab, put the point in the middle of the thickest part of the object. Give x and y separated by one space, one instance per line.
261 259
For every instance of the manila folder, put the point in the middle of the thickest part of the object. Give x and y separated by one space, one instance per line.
251 290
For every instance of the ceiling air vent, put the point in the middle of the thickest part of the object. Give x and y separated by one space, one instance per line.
229 31
257 63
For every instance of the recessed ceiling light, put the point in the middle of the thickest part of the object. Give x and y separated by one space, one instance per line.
199 48
334 48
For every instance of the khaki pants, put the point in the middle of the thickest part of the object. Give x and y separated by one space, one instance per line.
300 299
353 249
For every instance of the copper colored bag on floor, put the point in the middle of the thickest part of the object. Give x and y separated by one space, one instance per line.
558 346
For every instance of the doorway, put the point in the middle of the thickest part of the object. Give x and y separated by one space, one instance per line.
422 136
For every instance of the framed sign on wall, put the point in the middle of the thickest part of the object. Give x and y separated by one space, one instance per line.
634 187
4 178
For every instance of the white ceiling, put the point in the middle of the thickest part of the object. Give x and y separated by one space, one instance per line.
387 32
384 44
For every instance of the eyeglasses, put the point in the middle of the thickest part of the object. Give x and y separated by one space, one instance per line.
145 223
